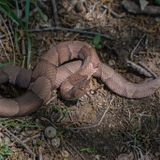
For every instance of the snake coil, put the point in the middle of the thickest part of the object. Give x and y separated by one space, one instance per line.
53 72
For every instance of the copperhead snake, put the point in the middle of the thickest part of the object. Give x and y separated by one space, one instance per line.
54 72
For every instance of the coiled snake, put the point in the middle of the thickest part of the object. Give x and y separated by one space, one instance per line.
53 72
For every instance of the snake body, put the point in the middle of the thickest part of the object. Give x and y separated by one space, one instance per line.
54 72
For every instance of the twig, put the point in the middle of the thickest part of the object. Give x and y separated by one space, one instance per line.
23 52
17 9
40 154
2 36
19 141
46 119
43 5
148 70
141 69
93 125
4 50
68 149
113 12
55 14
70 145
9 34
31 138
90 33
14 46
137 45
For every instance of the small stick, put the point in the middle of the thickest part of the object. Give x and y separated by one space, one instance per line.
147 69
112 12
70 145
55 15
17 9
2 36
141 69
6 54
90 33
40 157
137 45
19 141
9 34
94 125
31 138
45 119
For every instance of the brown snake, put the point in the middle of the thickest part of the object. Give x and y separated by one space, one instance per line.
54 72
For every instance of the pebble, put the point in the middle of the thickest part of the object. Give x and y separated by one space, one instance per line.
50 132
65 154
56 142
111 62
92 92
97 157
100 104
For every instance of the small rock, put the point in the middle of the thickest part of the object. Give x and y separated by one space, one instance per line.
99 104
65 154
92 92
50 132
97 157
111 62
56 142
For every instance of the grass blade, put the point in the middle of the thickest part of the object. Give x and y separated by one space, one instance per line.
29 51
27 9
7 11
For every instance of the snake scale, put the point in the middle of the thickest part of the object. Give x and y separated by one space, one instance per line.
54 72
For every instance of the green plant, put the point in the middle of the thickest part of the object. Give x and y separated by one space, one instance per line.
61 112
96 42
6 8
5 151
12 123
88 149
28 42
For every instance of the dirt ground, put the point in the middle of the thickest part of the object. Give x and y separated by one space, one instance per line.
101 125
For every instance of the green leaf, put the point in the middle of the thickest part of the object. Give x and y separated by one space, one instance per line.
99 46
88 150
5 151
96 40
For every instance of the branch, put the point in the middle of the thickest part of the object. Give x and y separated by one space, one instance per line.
89 33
